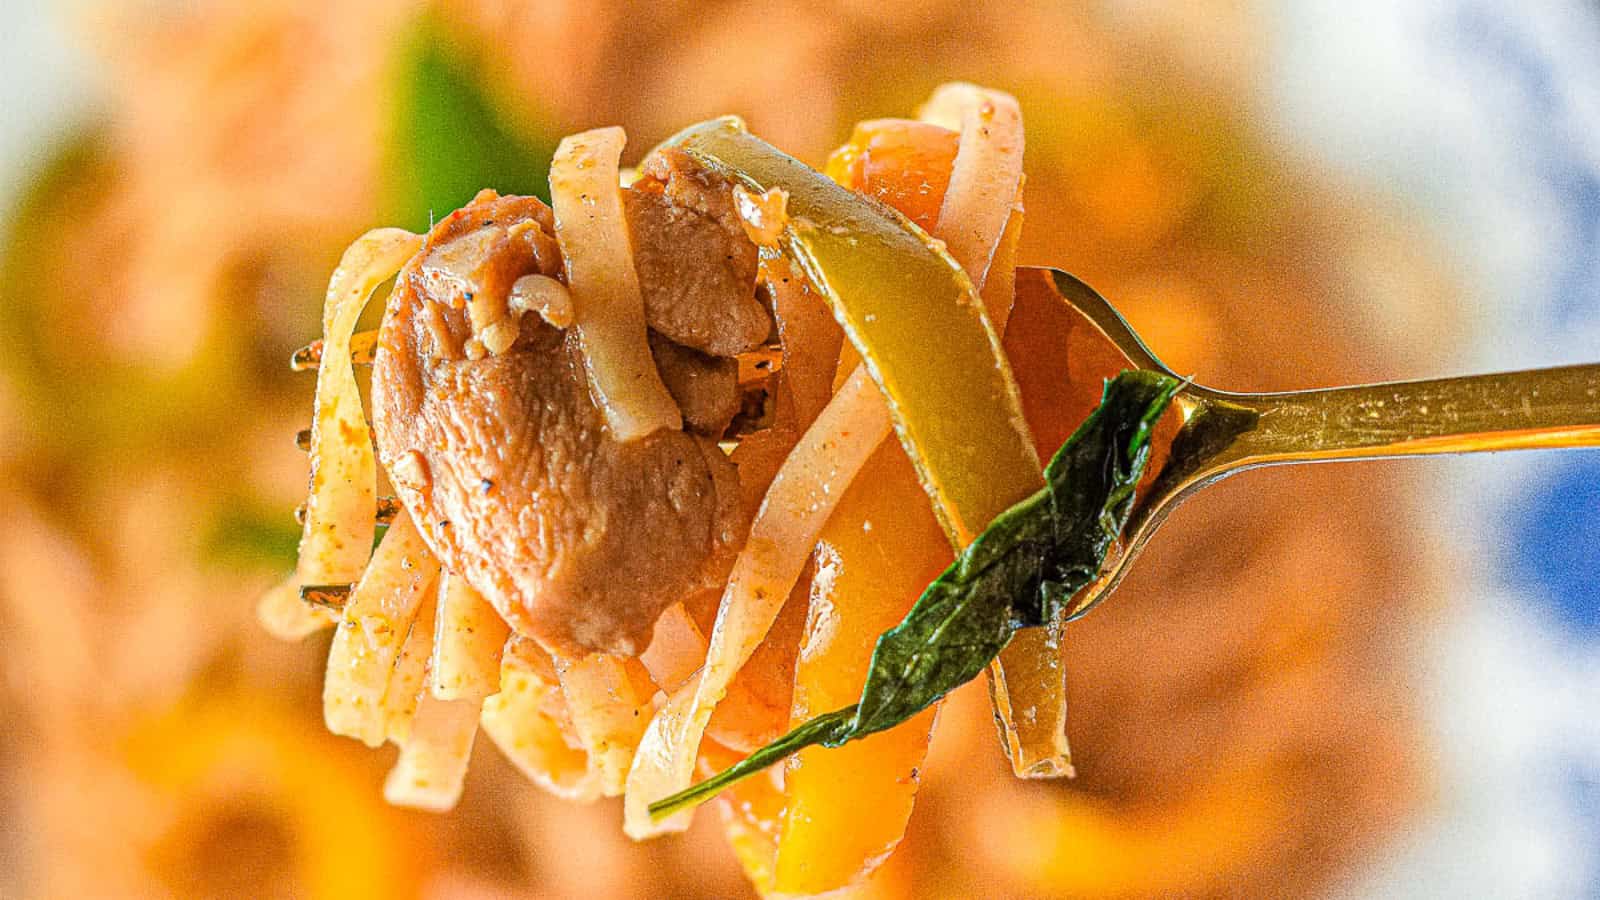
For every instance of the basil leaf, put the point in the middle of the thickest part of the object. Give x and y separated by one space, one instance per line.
451 137
1020 572
248 534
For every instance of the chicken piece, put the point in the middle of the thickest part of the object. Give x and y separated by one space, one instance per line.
504 461
697 267
705 387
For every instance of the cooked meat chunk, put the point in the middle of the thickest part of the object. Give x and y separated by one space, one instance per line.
504 461
697 267
706 387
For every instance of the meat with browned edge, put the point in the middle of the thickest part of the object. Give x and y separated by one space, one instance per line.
504 461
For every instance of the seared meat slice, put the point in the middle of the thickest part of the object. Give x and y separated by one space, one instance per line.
505 464
706 387
697 267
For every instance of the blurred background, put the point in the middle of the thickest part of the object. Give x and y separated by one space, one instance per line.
1376 680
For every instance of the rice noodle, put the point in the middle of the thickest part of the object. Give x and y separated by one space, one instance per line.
373 627
986 177
340 521
432 765
468 638
524 721
434 735
608 305
408 679
609 698
801 497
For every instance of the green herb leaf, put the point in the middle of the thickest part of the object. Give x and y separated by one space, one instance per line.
249 534
1020 572
453 135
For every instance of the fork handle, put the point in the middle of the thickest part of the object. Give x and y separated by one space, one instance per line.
1535 409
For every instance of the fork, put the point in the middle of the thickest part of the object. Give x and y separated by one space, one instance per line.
1223 433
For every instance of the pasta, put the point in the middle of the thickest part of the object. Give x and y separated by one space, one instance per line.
467 643
372 630
609 318
339 521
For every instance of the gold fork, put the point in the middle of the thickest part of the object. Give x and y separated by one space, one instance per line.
1224 433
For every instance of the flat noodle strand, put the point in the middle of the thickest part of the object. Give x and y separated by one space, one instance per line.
432 765
340 521
523 721
435 735
372 630
607 304
409 677
986 177
801 497
468 638
609 698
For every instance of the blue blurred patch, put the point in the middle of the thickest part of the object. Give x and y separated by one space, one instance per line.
1555 540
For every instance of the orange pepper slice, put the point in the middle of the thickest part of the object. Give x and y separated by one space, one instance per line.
880 548
848 807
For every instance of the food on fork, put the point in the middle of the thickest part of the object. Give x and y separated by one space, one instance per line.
647 518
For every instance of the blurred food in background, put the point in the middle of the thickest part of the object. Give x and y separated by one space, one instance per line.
1239 716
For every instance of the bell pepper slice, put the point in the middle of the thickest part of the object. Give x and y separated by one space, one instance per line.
877 551
916 320
848 807
893 314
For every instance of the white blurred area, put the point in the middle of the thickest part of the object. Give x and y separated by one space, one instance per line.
1482 117
48 88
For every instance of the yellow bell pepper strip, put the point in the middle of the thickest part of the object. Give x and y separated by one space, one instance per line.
1028 683
914 316
877 551
1030 703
